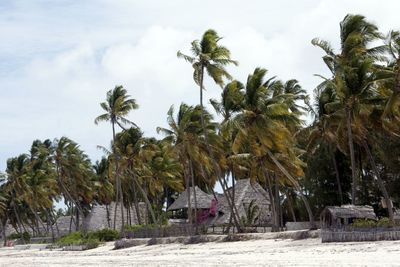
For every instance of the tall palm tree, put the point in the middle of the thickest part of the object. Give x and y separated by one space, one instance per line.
117 106
352 76
208 56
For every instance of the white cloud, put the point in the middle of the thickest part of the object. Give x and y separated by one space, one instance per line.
58 60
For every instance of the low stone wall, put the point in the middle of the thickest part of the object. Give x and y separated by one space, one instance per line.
344 235
169 231
293 226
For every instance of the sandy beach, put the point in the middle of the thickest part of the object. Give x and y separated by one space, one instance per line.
307 252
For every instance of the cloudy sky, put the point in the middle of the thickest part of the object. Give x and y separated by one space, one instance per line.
58 58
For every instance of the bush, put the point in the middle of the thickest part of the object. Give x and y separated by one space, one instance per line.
364 223
91 243
74 238
104 235
25 236
79 239
371 223
383 222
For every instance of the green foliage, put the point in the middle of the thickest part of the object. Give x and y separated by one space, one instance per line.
25 236
371 223
90 240
74 238
104 235
383 222
252 214
364 223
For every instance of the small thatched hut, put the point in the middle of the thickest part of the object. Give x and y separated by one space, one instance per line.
244 194
335 217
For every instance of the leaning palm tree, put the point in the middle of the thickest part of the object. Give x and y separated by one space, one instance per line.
117 106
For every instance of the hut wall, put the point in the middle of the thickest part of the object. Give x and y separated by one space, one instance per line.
359 235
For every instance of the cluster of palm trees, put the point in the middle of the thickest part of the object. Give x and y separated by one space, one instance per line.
359 103
261 135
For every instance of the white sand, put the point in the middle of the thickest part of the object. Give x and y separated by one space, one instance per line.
308 252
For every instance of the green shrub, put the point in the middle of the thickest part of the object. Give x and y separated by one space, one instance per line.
383 222
91 243
364 223
371 223
74 238
104 235
25 236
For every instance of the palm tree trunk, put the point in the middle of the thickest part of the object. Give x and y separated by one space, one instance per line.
354 188
136 203
277 203
337 174
233 197
55 221
146 199
194 195
290 205
271 198
380 182
108 216
20 225
189 210
211 154
3 230
50 222
297 186
119 187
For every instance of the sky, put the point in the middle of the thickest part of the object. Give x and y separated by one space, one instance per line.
58 58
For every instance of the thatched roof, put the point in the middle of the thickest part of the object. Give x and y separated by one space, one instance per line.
203 200
331 213
244 193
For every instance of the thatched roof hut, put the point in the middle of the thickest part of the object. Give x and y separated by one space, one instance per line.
333 216
203 199
244 193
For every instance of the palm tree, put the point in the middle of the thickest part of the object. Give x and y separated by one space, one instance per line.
390 87
208 56
323 129
16 186
129 145
232 98
264 132
355 76
352 76
74 176
103 185
117 107
188 138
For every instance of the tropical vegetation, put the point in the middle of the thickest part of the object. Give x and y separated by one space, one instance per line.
339 146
